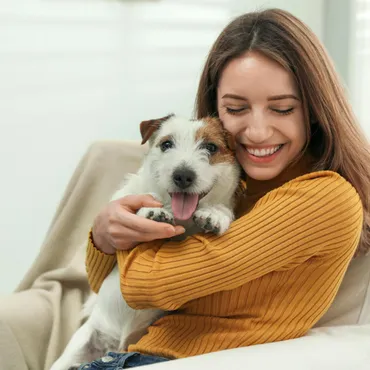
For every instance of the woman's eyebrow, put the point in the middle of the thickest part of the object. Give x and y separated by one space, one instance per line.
281 97
270 98
233 96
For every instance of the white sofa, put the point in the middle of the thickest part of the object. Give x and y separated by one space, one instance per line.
37 320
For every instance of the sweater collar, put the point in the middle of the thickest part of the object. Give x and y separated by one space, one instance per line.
256 189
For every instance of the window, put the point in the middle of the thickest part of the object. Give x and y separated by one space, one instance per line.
360 62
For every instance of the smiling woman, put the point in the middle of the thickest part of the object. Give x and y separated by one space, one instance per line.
303 216
259 105
291 61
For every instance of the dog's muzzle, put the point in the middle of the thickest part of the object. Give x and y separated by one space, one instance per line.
184 202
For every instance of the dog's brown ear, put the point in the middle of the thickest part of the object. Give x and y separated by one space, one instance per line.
147 128
230 140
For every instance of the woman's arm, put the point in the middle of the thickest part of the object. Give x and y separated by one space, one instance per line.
117 227
313 215
98 264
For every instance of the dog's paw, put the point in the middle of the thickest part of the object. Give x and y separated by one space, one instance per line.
157 214
214 219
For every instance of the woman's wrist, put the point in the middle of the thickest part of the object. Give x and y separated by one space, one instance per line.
102 247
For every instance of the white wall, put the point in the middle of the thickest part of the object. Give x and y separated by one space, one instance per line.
337 35
75 71
359 62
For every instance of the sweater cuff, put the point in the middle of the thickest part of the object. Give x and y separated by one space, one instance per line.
98 264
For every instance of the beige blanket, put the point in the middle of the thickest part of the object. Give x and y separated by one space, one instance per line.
37 321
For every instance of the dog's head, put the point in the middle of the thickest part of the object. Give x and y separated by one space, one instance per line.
190 160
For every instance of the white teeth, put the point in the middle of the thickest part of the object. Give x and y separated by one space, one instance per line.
263 152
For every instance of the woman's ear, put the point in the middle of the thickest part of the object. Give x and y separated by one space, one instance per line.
147 128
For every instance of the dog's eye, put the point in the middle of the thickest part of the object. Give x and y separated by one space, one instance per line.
212 148
166 145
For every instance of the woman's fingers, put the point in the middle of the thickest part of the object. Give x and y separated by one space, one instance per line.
135 202
149 228
118 226
146 229
142 224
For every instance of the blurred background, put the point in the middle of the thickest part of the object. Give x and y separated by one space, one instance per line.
76 71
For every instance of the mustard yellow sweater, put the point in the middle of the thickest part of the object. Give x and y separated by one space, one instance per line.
271 277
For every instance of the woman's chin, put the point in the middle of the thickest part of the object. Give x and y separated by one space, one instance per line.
261 174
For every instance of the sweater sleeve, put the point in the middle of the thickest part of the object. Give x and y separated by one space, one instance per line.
313 215
98 265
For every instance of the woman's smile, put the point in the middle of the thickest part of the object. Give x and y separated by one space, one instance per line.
262 154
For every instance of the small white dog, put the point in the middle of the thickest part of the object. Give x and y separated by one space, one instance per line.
191 168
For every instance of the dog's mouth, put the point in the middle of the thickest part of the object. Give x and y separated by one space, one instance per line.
184 204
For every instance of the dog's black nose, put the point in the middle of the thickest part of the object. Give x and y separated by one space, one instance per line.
183 177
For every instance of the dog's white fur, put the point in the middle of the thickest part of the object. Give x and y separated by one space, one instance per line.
112 325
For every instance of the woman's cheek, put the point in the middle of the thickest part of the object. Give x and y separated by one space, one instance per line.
231 124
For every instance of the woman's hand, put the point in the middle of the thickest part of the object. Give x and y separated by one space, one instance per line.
117 227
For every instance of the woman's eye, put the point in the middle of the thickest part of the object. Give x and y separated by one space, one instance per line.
168 144
283 111
212 148
234 111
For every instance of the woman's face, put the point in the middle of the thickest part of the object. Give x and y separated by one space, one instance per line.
259 104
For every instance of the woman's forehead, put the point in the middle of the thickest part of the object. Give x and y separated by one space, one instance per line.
254 74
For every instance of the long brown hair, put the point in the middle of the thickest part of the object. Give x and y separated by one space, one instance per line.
336 140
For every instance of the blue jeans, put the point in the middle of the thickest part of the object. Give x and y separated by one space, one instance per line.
117 361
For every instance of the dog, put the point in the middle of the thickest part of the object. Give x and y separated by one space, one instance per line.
191 169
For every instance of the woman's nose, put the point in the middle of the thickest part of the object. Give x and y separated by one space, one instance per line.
258 129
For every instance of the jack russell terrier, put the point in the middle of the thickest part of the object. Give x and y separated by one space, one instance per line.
191 169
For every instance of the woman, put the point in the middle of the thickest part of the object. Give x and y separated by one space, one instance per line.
305 213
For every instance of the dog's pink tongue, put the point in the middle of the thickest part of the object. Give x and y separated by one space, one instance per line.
184 205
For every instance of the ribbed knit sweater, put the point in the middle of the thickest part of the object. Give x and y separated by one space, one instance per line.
270 277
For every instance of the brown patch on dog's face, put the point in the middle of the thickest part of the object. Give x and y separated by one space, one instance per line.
147 128
164 139
213 132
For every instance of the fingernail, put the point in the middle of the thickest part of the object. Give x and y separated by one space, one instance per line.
171 230
179 230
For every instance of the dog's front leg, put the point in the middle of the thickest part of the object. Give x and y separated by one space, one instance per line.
213 218
81 348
